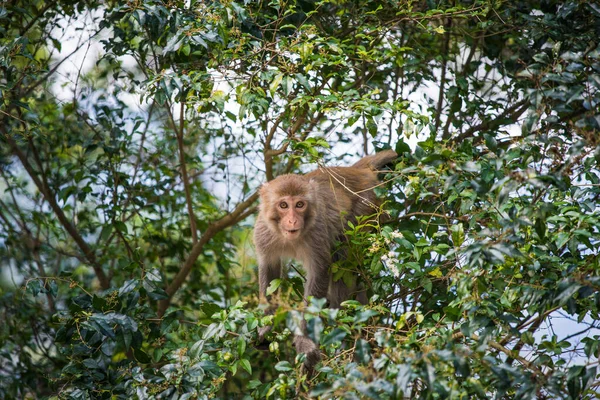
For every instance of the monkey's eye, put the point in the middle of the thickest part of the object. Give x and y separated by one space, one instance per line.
283 204
300 204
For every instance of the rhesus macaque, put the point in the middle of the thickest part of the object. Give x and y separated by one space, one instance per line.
301 217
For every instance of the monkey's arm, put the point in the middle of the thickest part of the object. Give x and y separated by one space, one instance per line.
268 270
317 283
269 259
317 274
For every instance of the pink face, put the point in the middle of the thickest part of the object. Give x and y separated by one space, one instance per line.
291 211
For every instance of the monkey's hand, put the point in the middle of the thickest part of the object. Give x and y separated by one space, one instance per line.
304 345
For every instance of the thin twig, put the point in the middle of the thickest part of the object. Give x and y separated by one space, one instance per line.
44 78
445 51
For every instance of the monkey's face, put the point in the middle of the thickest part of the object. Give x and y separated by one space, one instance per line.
291 212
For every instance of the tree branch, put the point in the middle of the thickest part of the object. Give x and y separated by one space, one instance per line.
428 214
184 174
44 188
242 210
512 114
466 69
268 152
508 352
37 17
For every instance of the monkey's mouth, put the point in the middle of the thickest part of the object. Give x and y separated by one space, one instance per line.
291 232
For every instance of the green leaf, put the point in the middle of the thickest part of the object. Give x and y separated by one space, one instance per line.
253 384
214 330
527 338
121 227
241 347
106 232
427 284
335 336
364 315
185 49
98 303
209 309
246 365
273 286
34 287
196 349
141 356
562 239
458 234
283 366
362 351
275 83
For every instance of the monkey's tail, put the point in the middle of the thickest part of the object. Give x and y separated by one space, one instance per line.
376 161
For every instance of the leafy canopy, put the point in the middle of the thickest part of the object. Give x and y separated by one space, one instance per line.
134 136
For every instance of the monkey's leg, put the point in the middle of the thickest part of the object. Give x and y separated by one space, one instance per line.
267 272
338 291
361 295
304 345
317 283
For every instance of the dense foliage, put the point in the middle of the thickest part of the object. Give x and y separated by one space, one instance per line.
133 138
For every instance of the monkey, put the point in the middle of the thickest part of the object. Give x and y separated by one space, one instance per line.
302 217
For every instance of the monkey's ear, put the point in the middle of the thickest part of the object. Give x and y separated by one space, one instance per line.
263 188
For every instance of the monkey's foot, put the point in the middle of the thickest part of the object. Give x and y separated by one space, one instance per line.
262 332
261 342
311 350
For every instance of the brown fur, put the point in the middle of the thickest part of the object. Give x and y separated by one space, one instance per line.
329 198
